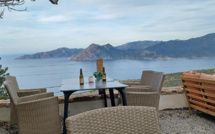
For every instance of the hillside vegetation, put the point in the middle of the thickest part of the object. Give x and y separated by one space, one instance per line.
173 79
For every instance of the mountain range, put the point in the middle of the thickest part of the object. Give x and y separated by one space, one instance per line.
107 51
192 48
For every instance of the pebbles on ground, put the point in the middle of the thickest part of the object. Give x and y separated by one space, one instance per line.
180 122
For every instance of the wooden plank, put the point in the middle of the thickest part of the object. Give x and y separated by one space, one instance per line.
201 98
199 92
192 85
202 104
197 102
190 109
99 63
198 80
203 110
209 88
195 97
210 106
199 86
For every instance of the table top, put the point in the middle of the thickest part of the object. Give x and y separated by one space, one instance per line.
74 85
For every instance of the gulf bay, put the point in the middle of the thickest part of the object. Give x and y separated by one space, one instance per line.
37 73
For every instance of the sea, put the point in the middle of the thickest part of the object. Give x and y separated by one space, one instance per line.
48 73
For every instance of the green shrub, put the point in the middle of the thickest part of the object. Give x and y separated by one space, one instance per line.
3 92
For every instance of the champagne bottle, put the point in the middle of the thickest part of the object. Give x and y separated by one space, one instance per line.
81 78
104 74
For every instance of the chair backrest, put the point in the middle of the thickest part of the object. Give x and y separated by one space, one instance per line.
157 81
13 80
12 93
115 120
146 78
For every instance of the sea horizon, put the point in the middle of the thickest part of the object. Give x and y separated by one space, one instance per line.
48 73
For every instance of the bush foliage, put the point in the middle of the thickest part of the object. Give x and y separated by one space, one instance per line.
3 92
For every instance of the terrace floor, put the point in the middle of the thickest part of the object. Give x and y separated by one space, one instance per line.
171 122
180 122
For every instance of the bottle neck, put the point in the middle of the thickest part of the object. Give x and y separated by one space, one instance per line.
81 72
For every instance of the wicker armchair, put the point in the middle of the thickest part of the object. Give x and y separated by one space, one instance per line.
115 120
146 79
144 96
23 92
37 114
20 93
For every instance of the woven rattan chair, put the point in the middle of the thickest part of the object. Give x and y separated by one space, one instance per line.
115 120
20 93
146 79
37 114
143 96
23 92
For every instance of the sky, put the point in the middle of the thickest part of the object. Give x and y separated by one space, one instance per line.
79 23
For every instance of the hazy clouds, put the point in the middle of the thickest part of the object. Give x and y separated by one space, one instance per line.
78 23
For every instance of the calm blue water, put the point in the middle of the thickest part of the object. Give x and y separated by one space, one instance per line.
50 72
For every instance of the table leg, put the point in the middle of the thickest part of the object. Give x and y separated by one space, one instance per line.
122 92
105 97
112 97
66 103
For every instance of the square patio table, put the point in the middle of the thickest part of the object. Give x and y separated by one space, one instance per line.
69 86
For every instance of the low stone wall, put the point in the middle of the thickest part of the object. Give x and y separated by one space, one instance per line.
172 90
76 105
171 98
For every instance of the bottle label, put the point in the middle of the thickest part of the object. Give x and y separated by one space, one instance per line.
81 81
104 77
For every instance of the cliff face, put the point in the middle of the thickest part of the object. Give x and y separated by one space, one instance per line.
95 51
107 51
60 52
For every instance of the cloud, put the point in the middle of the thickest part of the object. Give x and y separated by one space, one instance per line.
79 23
53 19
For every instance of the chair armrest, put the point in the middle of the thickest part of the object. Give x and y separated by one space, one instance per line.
131 83
36 97
144 93
38 101
138 89
27 93
143 99
42 90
